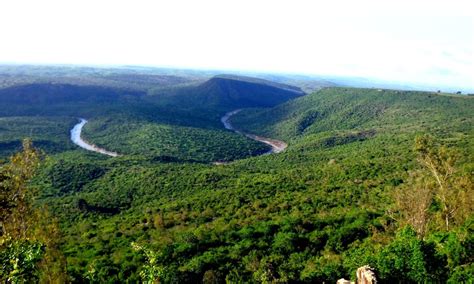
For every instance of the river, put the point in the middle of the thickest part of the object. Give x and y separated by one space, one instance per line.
277 145
77 139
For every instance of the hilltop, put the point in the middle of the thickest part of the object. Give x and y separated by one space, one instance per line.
230 92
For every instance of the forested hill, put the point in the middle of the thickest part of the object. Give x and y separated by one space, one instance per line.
215 95
259 81
40 99
49 93
352 109
184 124
230 92
357 185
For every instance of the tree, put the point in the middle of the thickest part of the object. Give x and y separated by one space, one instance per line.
17 215
152 272
413 202
410 260
454 192
19 252
434 192
29 239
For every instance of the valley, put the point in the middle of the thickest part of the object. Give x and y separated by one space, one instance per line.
232 142
132 193
276 146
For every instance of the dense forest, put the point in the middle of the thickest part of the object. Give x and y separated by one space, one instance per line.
370 177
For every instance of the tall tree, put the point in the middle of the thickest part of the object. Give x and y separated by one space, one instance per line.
28 237
436 191
454 191
17 214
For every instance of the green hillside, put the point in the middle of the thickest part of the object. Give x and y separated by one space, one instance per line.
345 193
154 140
342 109
127 121
228 93
48 133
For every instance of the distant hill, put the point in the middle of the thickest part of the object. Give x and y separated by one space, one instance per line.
65 100
307 83
230 92
45 93
119 78
223 92
346 109
259 81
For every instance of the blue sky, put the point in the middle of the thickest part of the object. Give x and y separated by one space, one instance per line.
427 42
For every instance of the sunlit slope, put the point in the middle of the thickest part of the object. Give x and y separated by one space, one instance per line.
165 142
350 109
312 213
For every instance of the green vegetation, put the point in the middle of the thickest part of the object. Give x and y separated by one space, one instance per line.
170 142
343 109
228 93
48 133
355 187
128 78
124 121
29 243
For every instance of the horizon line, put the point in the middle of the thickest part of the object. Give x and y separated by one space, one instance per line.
410 85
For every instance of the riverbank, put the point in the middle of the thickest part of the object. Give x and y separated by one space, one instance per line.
277 145
77 139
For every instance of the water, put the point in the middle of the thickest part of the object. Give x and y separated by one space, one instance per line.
76 139
277 146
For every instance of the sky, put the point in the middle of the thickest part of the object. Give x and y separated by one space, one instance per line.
426 42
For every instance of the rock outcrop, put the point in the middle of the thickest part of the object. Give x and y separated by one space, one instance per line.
366 275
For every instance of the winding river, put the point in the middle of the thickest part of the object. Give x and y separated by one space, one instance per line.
277 145
77 139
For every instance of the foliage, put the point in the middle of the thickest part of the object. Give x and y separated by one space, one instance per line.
313 213
28 244
452 192
19 259
152 272
436 193
17 215
229 93
171 143
410 260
